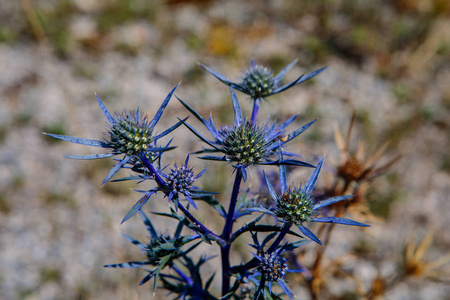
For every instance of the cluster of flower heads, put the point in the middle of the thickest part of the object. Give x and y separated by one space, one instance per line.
245 143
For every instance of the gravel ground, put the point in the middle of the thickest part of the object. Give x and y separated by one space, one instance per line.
58 225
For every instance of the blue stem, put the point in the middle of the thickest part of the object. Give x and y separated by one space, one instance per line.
280 237
217 238
225 250
256 105
159 181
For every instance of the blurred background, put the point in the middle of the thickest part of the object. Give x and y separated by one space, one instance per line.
388 61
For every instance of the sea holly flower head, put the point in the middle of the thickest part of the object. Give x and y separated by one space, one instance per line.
298 205
246 143
295 206
259 82
272 266
130 134
179 181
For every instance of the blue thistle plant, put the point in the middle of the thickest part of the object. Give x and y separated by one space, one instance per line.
295 205
130 134
259 82
243 143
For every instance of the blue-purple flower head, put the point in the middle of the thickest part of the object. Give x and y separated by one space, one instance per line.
295 205
245 143
178 182
129 133
271 267
259 81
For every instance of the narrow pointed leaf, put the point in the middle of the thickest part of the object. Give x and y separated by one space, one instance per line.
337 220
141 246
282 172
217 75
311 183
90 156
271 189
136 207
166 132
200 136
288 162
116 169
308 233
130 264
310 75
285 288
191 202
283 72
78 140
108 115
286 123
285 87
161 266
237 109
192 111
147 278
162 107
330 201
297 132
148 224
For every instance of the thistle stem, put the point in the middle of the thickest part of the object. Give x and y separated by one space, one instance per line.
280 237
203 228
225 250
256 105
152 170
